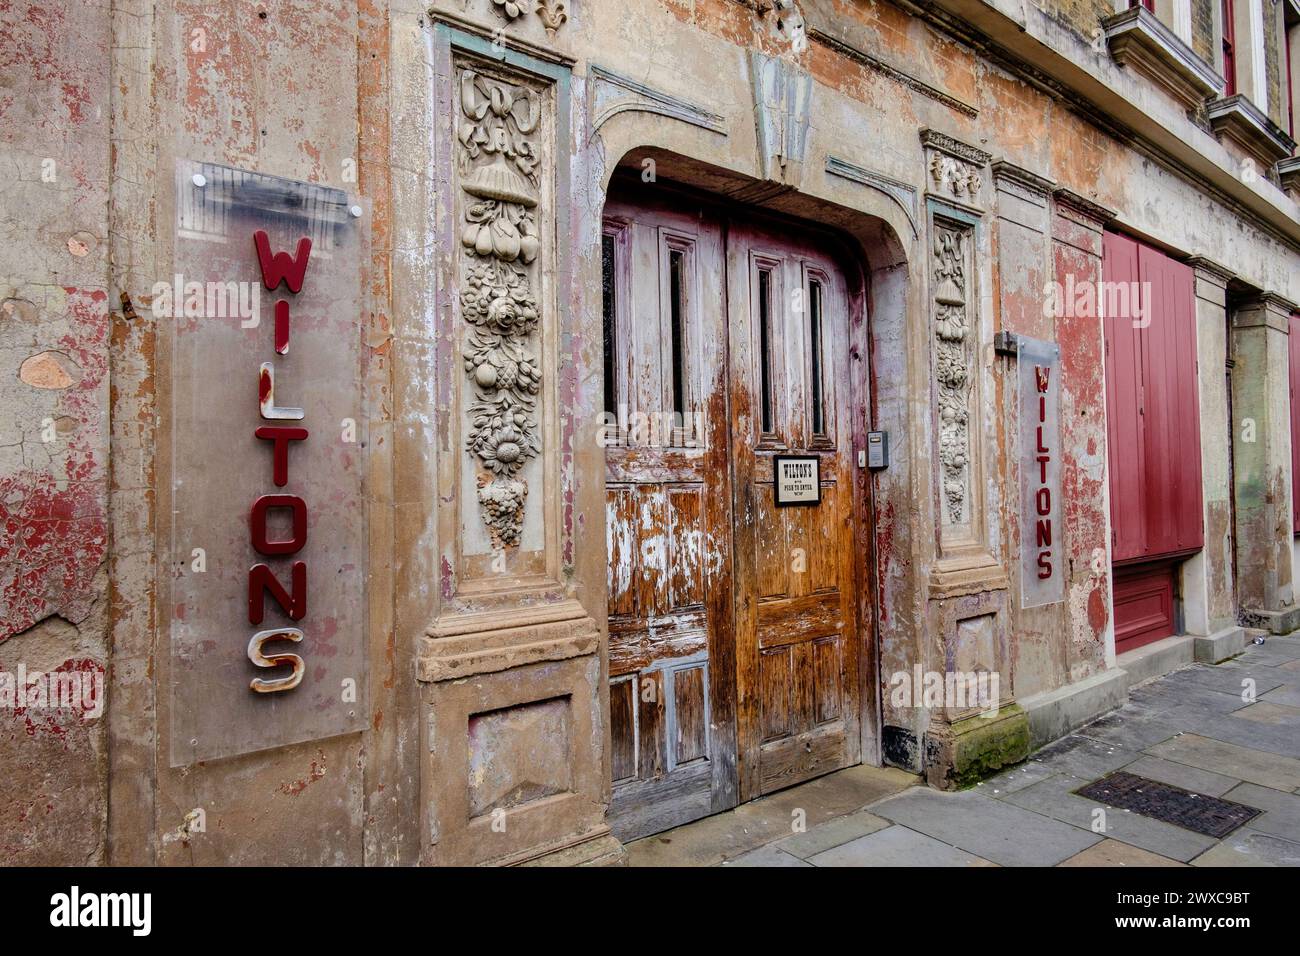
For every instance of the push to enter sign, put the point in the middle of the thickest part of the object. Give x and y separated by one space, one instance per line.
796 480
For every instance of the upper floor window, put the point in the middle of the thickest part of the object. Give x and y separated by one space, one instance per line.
1290 84
1229 51
1290 49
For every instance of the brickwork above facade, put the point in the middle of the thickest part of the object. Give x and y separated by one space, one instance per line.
1203 29
1085 16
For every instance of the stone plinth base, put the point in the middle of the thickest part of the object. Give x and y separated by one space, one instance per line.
967 751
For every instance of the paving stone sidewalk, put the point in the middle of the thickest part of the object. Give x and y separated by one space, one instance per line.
1192 728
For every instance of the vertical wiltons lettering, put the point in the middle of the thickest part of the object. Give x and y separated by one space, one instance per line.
1043 496
262 580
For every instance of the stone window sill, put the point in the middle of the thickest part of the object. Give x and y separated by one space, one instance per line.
1240 120
1288 171
1138 39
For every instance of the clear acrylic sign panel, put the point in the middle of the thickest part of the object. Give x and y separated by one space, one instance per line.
222 320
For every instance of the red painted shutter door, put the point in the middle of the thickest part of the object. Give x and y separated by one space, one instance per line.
1123 406
1172 423
1152 404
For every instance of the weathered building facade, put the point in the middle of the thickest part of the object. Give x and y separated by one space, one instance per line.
669 392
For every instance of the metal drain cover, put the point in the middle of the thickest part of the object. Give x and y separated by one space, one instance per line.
1211 816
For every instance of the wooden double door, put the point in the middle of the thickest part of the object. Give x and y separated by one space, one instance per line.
737 626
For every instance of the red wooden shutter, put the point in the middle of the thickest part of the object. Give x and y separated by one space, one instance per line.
1293 344
1123 406
1172 428
1153 405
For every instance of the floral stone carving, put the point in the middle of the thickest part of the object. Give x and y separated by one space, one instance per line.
954 177
952 370
498 168
552 13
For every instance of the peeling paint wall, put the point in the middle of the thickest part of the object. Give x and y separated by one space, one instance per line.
54 428
98 102
272 87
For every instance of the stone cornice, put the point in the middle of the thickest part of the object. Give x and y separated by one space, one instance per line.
1034 46
1082 205
1004 171
1276 303
1288 171
1267 309
1207 268
497 35
954 147
894 73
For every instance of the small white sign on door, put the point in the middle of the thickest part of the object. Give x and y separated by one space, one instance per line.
797 480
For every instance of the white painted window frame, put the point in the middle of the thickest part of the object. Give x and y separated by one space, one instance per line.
1177 16
1289 31
1248 51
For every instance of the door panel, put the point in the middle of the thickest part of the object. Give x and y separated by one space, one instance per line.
671 663
1144 604
797 623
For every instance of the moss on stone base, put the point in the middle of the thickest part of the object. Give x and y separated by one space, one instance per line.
977 747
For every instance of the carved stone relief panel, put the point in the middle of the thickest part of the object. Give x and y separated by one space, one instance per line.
497 166
510 657
955 175
954 178
503 222
552 13
954 170
953 355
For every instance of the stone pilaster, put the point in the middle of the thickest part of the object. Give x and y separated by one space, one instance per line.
1077 231
1024 274
1209 603
969 591
512 667
1082 683
1262 459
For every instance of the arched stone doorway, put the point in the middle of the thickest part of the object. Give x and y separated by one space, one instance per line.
738 395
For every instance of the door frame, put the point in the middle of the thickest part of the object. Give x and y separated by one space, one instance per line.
853 263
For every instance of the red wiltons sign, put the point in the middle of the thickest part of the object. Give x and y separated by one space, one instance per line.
1044 456
1041 545
278 268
